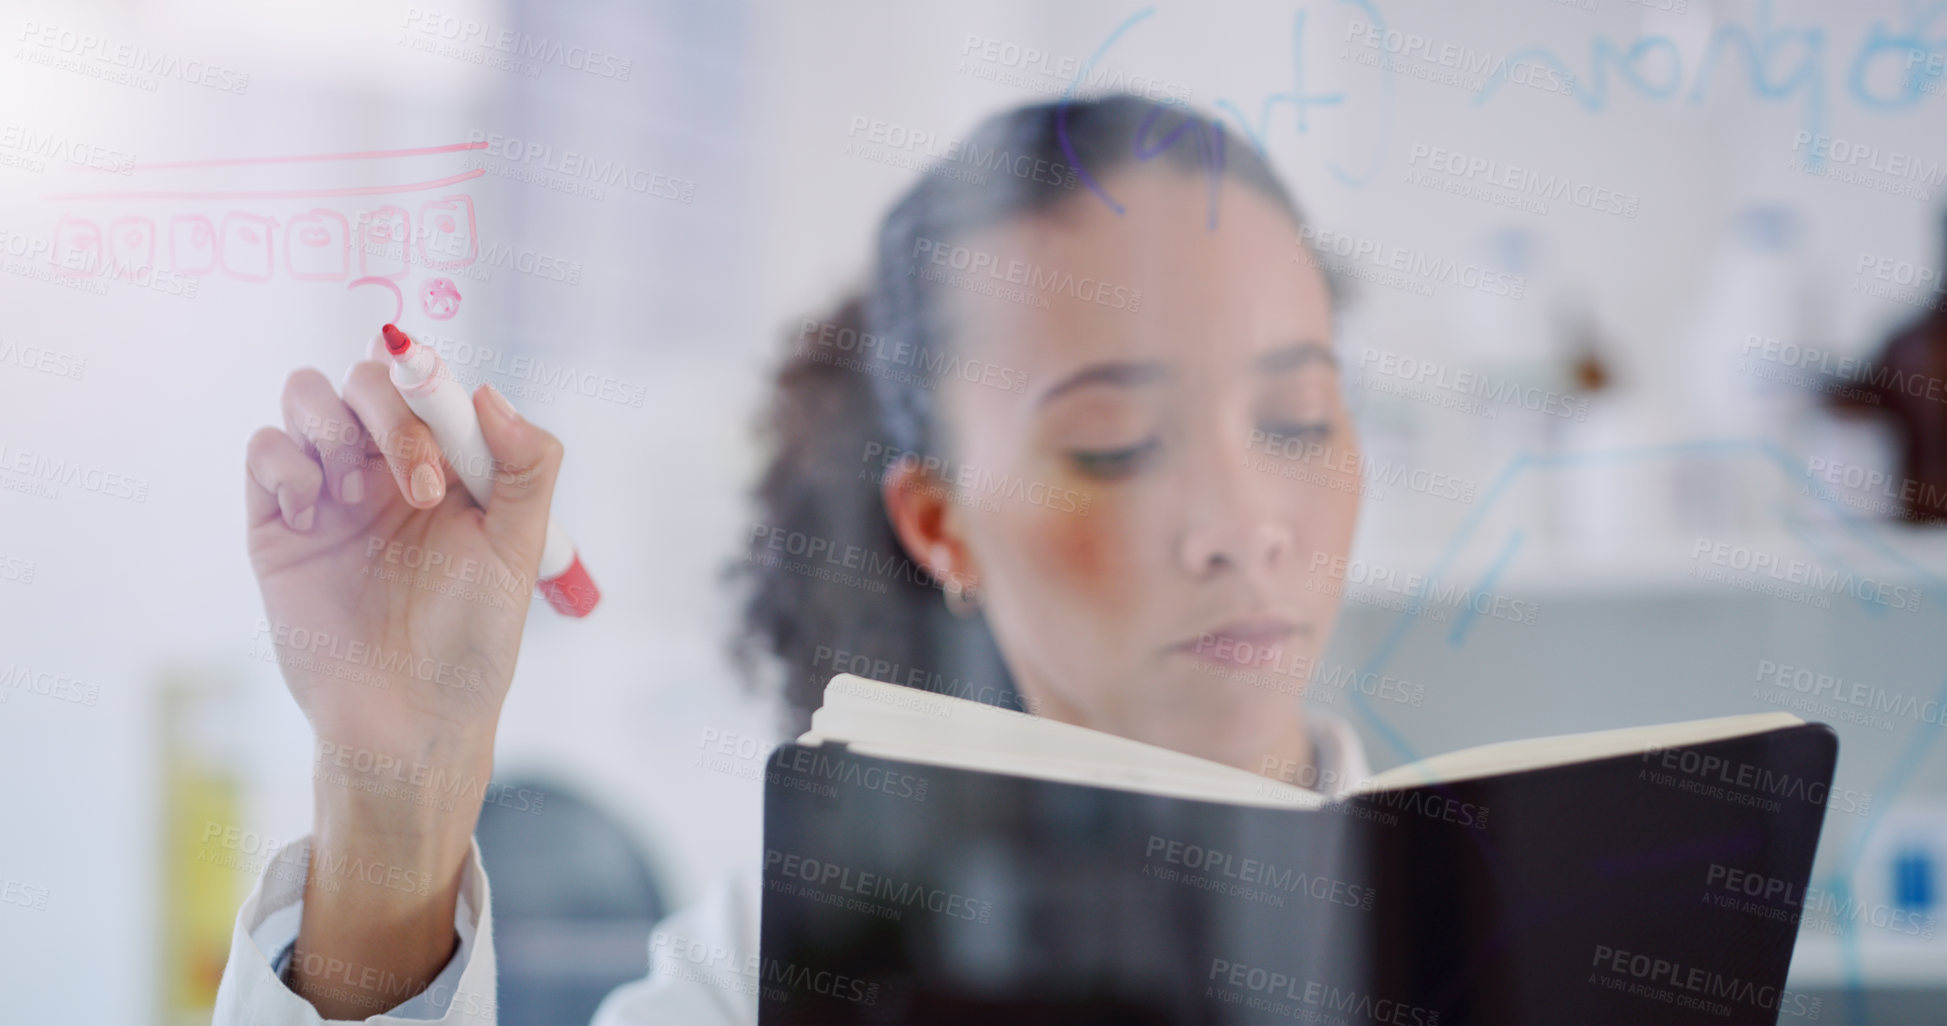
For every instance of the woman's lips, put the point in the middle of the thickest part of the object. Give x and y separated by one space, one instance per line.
1244 643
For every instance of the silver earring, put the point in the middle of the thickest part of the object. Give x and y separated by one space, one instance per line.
961 599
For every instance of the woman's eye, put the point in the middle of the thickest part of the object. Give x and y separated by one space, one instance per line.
1112 463
1299 431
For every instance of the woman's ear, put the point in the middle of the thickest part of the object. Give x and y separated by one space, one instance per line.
926 521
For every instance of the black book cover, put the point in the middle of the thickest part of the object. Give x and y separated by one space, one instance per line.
1612 891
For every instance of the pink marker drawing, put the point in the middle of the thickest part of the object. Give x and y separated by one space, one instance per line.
384 238
398 296
447 237
192 245
77 244
317 243
131 243
317 246
245 247
440 298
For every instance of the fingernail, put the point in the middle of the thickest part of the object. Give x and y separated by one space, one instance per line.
500 403
426 483
304 518
352 489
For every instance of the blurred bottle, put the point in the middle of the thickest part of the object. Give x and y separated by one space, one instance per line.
1504 332
201 884
1747 380
1907 383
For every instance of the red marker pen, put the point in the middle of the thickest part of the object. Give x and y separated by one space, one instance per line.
436 398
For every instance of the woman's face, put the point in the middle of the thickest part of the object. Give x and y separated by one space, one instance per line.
1152 523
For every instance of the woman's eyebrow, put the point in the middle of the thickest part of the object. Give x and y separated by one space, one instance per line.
1297 354
1121 373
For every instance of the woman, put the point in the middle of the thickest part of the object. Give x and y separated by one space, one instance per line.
1089 506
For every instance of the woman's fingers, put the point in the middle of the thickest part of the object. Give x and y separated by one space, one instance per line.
402 438
526 462
283 480
323 425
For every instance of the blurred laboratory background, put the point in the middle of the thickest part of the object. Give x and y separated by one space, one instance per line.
1643 328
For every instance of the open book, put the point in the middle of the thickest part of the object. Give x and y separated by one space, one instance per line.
956 862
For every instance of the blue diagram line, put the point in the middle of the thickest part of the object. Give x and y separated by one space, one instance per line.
1470 611
1068 97
1521 461
1826 553
1905 765
1404 622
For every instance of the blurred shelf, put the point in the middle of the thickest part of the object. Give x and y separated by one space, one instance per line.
1817 559
1820 961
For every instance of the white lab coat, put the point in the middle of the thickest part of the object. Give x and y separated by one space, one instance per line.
702 961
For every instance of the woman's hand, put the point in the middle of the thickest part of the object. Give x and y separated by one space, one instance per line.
395 606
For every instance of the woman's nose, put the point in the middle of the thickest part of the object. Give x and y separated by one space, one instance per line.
1236 539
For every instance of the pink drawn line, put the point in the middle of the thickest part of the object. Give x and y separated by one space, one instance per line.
397 293
357 190
314 157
